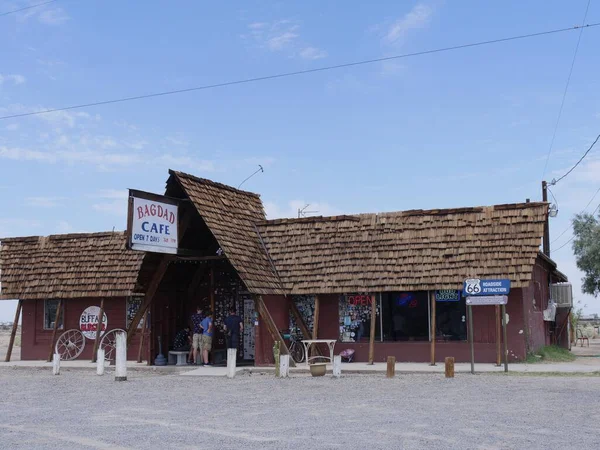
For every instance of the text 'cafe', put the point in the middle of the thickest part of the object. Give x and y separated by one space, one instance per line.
396 283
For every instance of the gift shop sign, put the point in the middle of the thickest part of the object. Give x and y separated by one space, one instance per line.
88 322
152 222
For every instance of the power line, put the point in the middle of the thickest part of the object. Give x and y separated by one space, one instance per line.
573 237
562 103
26 7
302 72
577 163
580 212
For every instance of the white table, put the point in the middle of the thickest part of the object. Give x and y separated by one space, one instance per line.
308 342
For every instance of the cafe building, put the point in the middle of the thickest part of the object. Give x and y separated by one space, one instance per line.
314 277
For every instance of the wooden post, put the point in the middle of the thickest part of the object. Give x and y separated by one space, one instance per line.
98 331
315 332
372 336
100 362
470 314
277 357
498 338
149 297
143 335
432 331
284 366
231 362
56 322
505 341
449 370
267 319
302 324
13 332
391 367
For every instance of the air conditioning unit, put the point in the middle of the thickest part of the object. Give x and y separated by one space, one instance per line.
562 294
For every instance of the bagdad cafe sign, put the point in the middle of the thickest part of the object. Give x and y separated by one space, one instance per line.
152 222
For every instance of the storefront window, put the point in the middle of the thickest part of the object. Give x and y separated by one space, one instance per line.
450 315
133 306
405 316
355 318
50 310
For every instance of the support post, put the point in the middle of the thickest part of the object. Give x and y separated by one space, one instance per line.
212 290
449 367
315 332
13 332
56 322
546 242
149 297
301 324
391 367
470 314
372 334
143 336
231 362
337 366
505 341
284 366
277 357
56 364
498 337
121 357
261 308
98 331
432 331
100 362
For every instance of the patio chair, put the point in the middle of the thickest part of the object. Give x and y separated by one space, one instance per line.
581 337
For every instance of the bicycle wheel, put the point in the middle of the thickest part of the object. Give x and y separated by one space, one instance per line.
297 352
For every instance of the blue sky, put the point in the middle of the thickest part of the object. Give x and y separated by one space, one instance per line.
461 128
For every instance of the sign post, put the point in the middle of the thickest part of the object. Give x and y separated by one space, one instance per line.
486 292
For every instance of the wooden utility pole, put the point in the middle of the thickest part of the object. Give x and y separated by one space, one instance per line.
546 243
432 331
372 336
56 322
13 332
98 331
498 337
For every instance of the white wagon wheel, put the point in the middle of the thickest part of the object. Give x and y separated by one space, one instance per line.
109 343
70 344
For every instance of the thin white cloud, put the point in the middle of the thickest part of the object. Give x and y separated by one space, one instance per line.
64 227
56 118
416 18
115 208
18 227
281 41
44 202
257 25
12 127
54 16
187 163
14 78
117 194
313 53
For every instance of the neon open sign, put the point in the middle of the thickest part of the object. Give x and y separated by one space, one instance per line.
359 299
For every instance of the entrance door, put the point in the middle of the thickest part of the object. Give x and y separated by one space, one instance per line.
248 327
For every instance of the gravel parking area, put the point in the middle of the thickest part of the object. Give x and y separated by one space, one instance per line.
78 409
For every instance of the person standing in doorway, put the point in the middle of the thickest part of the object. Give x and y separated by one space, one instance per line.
233 328
197 335
207 333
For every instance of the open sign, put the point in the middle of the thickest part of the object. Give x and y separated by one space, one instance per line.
359 299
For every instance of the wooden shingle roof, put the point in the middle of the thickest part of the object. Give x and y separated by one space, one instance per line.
67 266
405 251
231 215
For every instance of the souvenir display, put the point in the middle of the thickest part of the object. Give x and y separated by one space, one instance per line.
306 306
355 316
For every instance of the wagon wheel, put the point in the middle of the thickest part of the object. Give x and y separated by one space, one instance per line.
70 344
109 343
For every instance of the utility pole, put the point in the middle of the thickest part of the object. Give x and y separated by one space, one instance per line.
546 243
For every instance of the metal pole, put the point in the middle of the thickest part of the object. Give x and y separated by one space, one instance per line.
470 313
505 341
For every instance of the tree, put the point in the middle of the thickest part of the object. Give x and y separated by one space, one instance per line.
586 247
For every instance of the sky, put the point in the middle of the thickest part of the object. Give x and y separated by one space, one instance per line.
460 128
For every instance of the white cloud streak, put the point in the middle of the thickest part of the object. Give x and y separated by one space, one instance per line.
15 79
313 53
416 18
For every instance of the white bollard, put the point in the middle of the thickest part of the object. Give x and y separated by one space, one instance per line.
121 357
231 362
100 362
337 366
284 366
56 364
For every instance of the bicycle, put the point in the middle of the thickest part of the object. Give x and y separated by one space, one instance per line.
295 347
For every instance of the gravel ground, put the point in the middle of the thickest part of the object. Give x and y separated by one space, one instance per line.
81 410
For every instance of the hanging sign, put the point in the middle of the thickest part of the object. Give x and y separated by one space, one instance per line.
447 295
488 300
88 322
475 286
152 222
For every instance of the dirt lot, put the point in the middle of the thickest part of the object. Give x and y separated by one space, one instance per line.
78 409
4 338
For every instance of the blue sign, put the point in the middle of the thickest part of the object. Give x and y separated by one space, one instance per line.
475 286
447 295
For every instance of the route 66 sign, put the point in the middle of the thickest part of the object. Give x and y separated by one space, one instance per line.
472 286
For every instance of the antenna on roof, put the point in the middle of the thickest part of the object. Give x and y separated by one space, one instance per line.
302 212
260 169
